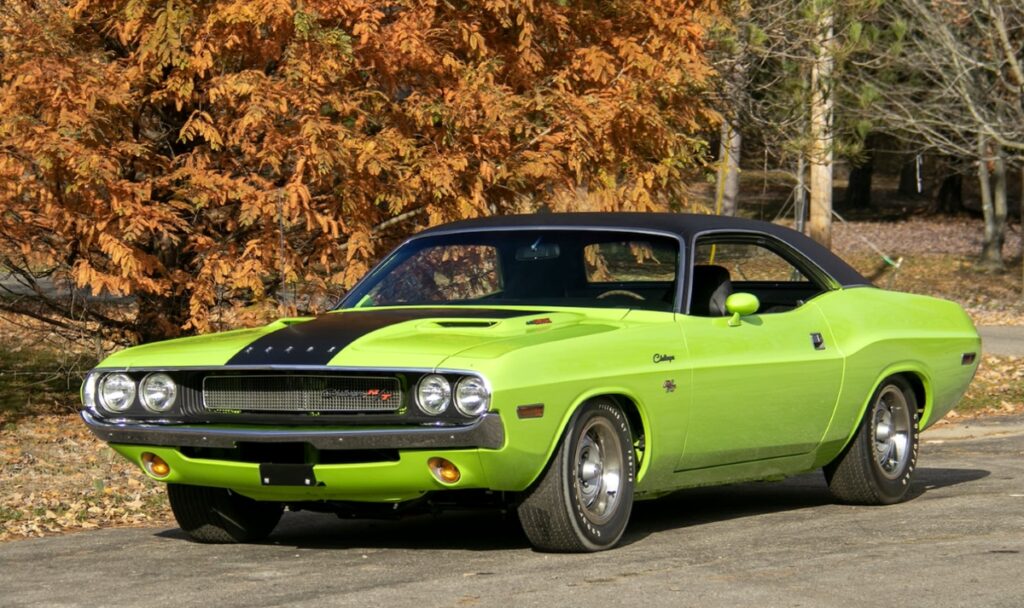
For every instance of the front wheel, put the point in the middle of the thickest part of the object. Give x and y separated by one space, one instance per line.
218 515
876 468
583 500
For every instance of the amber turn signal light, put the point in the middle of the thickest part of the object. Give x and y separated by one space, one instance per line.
444 471
155 465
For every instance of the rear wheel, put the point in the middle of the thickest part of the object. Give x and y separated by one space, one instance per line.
218 515
583 500
877 466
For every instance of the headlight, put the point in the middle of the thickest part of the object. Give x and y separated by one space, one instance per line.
471 396
117 392
158 392
433 394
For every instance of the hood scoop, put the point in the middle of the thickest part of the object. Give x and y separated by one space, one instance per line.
465 324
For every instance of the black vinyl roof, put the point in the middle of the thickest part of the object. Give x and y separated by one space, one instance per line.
686 226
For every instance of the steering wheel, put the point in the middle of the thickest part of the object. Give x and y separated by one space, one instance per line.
620 292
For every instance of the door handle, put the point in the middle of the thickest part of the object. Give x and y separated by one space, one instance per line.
817 341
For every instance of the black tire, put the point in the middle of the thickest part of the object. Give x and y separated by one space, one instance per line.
218 515
858 475
573 507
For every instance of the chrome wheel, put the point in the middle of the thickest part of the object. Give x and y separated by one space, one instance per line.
599 463
583 500
890 430
877 466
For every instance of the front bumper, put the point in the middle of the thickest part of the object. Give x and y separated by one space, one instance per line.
485 432
408 478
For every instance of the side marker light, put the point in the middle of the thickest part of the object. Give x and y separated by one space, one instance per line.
534 410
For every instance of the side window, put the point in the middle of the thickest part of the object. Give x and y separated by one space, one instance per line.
724 266
748 262
441 274
633 273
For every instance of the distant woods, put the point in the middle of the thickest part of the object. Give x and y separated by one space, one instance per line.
810 82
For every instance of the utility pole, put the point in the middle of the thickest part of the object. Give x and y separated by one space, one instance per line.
727 194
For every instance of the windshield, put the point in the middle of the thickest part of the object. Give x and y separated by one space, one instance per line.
527 267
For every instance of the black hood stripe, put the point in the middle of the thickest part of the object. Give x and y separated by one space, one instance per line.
318 341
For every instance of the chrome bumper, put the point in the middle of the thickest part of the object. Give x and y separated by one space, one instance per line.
486 432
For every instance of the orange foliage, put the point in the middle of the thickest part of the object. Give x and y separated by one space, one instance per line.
193 152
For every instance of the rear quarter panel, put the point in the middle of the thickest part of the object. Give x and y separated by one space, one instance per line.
881 333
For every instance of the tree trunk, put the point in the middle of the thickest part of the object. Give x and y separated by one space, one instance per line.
800 194
858 190
729 169
999 200
950 197
821 132
992 248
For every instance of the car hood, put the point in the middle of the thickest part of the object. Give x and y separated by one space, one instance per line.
394 337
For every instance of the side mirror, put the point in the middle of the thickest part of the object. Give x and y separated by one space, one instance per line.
741 305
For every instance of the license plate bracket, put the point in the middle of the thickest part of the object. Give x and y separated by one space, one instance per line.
287 475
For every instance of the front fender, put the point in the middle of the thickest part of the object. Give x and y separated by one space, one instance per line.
531 443
617 392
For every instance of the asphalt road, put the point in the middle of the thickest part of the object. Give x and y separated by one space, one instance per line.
1002 340
958 542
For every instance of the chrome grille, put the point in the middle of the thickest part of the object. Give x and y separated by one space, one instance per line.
268 393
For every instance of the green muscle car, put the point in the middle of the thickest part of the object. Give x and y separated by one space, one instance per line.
563 365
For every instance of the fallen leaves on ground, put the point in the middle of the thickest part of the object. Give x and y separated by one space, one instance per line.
57 477
998 389
918 235
937 257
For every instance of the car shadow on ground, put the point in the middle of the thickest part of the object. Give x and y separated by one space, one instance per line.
493 530
699 506
928 479
464 530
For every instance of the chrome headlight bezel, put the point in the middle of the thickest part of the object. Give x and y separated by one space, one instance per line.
89 391
147 400
472 396
129 389
439 399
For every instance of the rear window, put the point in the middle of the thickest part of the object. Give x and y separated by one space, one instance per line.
629 261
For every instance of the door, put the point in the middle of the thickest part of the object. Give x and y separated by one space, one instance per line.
767 387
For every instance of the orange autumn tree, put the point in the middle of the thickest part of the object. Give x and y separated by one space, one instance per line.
196 153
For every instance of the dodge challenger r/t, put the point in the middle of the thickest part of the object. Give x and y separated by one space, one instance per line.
560 365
